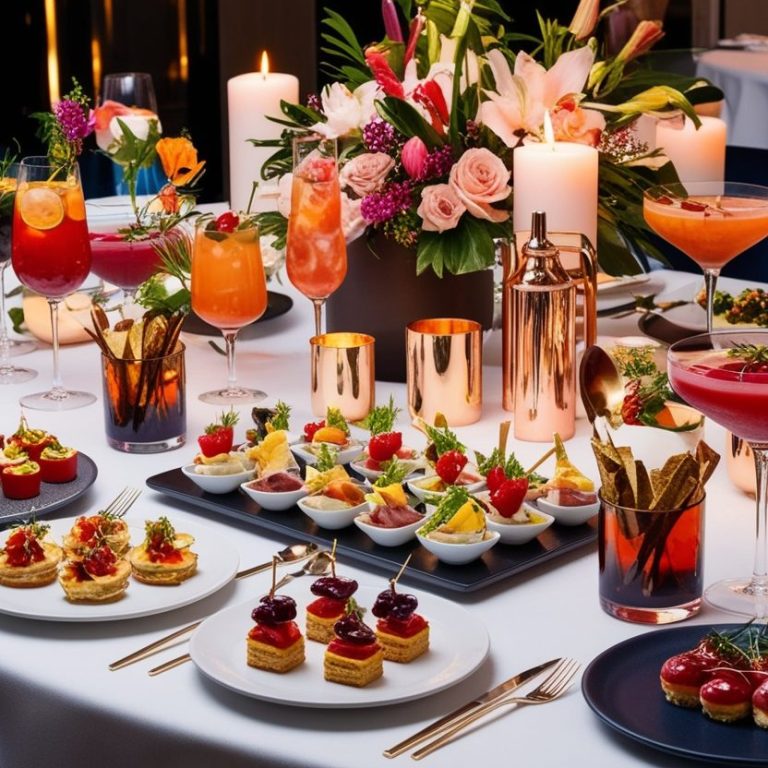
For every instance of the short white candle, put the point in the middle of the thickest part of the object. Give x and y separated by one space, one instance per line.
559 178
252 98
698 155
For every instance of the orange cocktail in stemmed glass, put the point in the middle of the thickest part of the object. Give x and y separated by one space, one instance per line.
710 221
316 252
228 289
51 254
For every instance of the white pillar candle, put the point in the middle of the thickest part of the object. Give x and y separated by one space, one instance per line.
559 178
698 155
252 98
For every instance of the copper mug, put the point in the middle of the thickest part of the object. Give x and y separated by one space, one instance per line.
444 369
343 374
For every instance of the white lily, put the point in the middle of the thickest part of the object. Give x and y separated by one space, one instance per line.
346 111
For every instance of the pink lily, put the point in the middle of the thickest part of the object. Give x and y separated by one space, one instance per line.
585 19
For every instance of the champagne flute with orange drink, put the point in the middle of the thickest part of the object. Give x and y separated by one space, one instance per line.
229 290
712 222
51 255
316 251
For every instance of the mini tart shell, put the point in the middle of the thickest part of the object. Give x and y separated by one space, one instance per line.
355 672
268 657
97 589
119 541
35 574
403 649
161 574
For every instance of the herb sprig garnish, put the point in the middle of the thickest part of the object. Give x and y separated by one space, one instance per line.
750 354
334 418
452 501
441 440
326 458
381 418
394 472
510 464
162 528
635 362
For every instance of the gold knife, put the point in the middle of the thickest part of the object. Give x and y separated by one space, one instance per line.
448 720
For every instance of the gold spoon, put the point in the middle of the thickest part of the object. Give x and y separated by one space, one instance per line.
602 387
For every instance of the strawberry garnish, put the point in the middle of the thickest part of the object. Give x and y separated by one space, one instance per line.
219 437
449 466
227 222
508 496
310 428
384 446
495 477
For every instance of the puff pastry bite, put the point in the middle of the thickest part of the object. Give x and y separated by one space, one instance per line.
27 560
92 530
164 557
275 644
97 576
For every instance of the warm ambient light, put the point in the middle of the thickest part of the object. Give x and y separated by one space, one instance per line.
54 93
549 131
264 68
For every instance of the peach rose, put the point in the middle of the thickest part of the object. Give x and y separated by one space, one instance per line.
365 173
480 178
440 208
582 126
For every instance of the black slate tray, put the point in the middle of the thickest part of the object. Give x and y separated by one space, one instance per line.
500 562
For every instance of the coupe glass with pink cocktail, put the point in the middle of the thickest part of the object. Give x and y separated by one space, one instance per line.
725 375
712 222
316 252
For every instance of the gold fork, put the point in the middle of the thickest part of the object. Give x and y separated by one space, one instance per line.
551 688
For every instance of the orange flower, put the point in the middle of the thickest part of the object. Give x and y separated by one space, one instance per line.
169 199
179 159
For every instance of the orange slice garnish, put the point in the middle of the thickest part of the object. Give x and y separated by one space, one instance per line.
41 208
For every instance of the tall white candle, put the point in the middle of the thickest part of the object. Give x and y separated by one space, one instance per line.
559 178
698 155
251 99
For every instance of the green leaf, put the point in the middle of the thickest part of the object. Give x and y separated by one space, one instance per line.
467 248
16 315
408 121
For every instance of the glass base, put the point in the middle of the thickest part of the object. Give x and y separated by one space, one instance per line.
10 374
237 396
16 348
170 444
744 596
57 400
651 615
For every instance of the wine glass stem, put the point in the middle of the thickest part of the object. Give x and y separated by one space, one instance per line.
229 340
710 282
318 307
5 344
57 385
759 584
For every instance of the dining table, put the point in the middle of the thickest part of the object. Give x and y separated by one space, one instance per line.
62 706
742 75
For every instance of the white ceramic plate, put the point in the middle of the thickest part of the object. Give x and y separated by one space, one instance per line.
343 456
216 566
620 282
458 645
217 483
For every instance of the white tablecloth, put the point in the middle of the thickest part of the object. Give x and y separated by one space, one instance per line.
743 78
60 706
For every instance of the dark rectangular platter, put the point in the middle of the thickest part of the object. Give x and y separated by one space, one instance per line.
500 562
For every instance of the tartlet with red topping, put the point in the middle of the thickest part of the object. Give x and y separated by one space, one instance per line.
164 557
354 656
96 575
88 531
275 644
403 633
332 594
26 559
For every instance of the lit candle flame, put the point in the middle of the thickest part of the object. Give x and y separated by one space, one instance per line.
264 64
549 131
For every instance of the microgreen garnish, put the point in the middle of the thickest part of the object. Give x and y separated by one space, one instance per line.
635 362
441 440
394 471
451 502
326 458
334 418
281 418
381 418
751 354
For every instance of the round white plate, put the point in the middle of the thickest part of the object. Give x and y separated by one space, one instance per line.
216 566
458 645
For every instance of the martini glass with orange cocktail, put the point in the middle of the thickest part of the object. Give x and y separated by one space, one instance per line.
712 222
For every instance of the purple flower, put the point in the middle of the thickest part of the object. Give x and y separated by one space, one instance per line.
438 163
383 206
379 136
75 124
314 102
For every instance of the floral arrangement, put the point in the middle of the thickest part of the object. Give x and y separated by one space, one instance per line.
427 124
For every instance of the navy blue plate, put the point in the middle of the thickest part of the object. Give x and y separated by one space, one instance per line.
622 687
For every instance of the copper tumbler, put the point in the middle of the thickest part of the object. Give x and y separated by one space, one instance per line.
444 364
343 374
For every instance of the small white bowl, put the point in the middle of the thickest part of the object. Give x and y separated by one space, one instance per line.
389 537
217 483
275 501
568 515
343 456
423 493
371 474
458 554
520 533
331 519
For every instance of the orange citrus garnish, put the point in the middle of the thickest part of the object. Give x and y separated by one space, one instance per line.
40 208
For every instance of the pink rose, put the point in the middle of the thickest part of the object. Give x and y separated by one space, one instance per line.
581 126
440 208
366 173
480 178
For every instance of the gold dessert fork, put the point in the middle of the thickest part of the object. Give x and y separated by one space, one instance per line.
292 554
315 566
551 688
